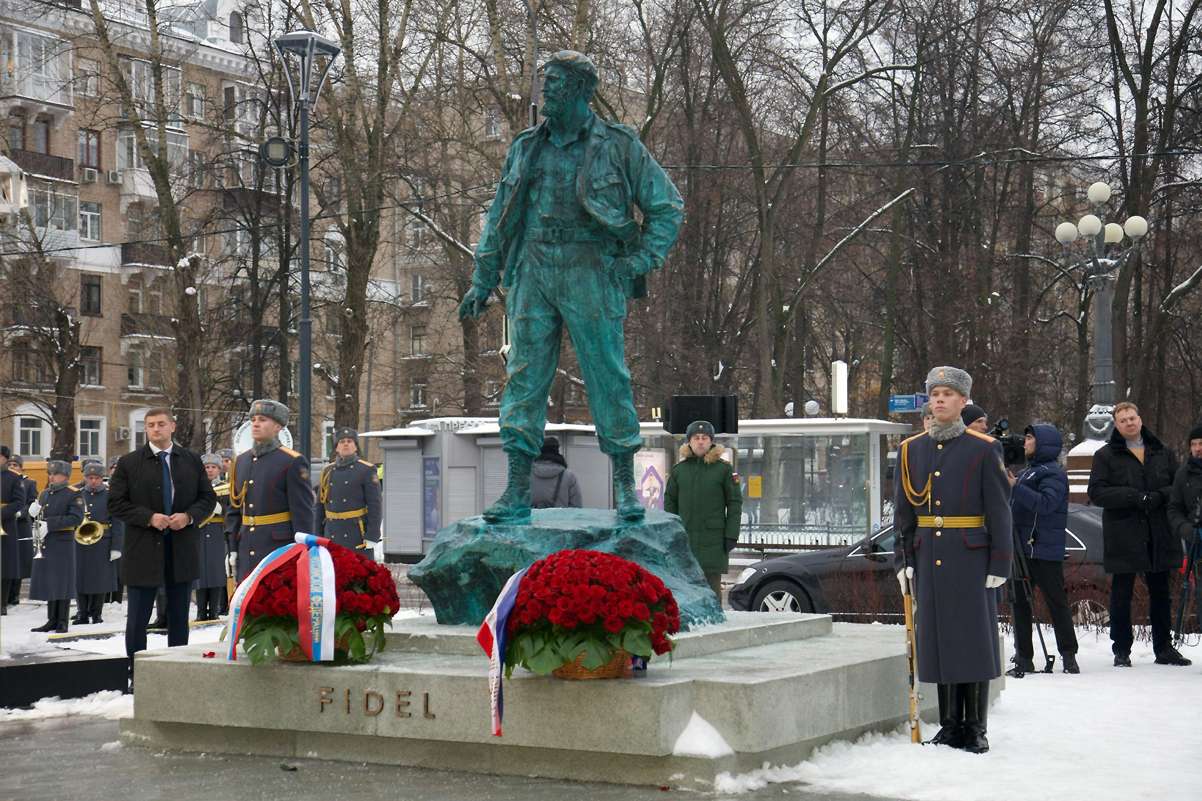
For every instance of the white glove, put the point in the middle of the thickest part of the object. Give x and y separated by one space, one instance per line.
993 582
231 561
904 576
377 550
114 556
35 508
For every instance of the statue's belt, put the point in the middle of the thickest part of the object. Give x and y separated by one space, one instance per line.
561 235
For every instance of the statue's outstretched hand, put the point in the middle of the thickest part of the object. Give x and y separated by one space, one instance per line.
474 302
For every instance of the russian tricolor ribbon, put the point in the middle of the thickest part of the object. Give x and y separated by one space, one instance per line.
493 637
316 595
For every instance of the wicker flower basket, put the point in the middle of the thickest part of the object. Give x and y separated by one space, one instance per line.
618 667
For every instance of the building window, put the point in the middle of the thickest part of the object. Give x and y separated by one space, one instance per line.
194 101
136 370
53 210
139 432
87 79
89 292
29 365
90 370
236 28
492 393
41 135
129 156
134 294
29 438
417 340
335 255
145 370
89 148
419 287
89 223
573 396
89 442
492 124
417 396
327 440
197 169
16 133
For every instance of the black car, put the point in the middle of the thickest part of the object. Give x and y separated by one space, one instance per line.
859 583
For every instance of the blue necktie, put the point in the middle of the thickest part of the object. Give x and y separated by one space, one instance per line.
166 482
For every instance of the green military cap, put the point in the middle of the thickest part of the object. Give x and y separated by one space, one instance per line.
57 467
270 408
699 427
93 469
950 377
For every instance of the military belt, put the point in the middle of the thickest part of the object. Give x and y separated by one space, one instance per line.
266 520
214 519
561 235
939 521
351 515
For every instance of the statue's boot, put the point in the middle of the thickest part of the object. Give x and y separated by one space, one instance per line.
514 504
625 499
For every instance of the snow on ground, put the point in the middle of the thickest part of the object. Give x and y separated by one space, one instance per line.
111 704
1108 734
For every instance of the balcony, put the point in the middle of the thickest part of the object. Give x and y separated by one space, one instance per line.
140 328
37 76
142 254
44 165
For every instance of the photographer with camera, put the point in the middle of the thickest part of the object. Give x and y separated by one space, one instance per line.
1039 505
1131 479
1187 489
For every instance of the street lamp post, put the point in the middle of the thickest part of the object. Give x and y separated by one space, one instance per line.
307 46
1101 271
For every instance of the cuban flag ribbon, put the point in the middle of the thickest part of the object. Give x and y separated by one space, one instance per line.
492 637
316 597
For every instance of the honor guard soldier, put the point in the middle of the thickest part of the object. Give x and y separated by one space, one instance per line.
210 585
271 498
348 497
12 502
24 530
96 550
954 546
57 512
227 461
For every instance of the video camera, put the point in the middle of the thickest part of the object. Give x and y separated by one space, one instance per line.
1014 452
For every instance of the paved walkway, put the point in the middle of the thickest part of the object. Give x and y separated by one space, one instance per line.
80 758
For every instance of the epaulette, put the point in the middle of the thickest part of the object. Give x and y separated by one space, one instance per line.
980 436
911 439
290 452
75 489
369 464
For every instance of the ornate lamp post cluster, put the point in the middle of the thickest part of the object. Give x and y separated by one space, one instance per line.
1101 267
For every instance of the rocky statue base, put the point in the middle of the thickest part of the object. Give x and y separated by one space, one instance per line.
471 560
757 688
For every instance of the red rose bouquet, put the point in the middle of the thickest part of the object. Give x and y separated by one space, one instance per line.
366 599
591 603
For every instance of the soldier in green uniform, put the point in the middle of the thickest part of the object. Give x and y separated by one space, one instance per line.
954 544
58 511
271 498
561 236
348 497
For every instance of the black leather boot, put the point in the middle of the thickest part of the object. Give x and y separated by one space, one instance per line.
949 732
976 715
514 504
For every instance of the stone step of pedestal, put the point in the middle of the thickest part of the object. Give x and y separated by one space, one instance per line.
740 630
687 720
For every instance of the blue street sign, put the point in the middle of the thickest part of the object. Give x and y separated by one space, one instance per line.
907 404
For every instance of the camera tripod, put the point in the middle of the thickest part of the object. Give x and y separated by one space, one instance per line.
1022 583
1187 583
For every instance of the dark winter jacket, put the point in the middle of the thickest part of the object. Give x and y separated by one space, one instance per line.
1039 501
704 491
1187 488
1134 496
553 485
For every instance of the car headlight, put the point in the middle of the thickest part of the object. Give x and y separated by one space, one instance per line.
745 576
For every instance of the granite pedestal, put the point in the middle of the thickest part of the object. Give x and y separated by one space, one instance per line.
757 688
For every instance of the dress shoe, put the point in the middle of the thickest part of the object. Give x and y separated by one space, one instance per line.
1069 661
61 628
1172 656
79 620
47 626
1021 668
97 619
1122 660
158 624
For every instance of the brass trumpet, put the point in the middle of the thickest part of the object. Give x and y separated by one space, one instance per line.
89 531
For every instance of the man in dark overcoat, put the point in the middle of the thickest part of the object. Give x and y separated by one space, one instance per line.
96 564
348 497
162 495
271 498
954 545
12 503
210 584
24 528
59 511
1132 480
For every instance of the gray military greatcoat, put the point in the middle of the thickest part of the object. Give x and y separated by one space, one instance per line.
54 574
942 488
